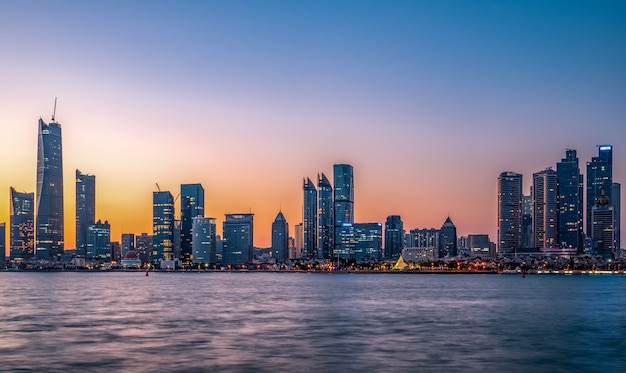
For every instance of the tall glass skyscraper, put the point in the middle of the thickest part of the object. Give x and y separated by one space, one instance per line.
447 239
343 175
394 237
616 201
510 210
545 211
49 233
162 226
570 202
98 245
280 238
22 231
85 209
238 242
191 206
324 217
309 219
204 240
599 175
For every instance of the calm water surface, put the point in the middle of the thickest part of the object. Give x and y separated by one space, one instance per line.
279 322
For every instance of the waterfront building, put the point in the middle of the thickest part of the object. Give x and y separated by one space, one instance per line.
527 222
427 237
115 251
98 244
85 209
176 238
509 213
343 175
49 233
368 241
447 239
162 226
599 175
570 202
143 247
128 243
3 241
617 208
603 227
191 206
325 222
420 254
238 241
131 260
298 240
280 238
204 240
545 211
309 219
394 237
480 246
22 222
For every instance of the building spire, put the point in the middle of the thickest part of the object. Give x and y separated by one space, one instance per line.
55 109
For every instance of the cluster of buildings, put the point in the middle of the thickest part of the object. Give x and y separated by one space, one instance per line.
555 219
548 221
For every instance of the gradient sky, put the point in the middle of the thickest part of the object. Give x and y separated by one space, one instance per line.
428 100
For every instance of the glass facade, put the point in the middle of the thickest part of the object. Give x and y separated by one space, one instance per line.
599 175
447 239
191 206
204 240
343 175
85 209
162 226
545 211
22 230
324 217
570 202
280 238
238 236
510 210
98 244
309 219
394 237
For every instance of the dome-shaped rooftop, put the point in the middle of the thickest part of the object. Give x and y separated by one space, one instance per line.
130 255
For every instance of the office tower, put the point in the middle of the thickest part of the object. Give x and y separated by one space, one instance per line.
115 251
162 226
599 175
49 235
324 217
509 213
427 237
85 209
3 241
527 222
603 227
394 233
280 238
143 247
570 202
343 175
203 241
368 241
238 232
617 208
298 240
98 244
128 243
177 238
480 246
545 210
191 205
22 221
309 219
447 239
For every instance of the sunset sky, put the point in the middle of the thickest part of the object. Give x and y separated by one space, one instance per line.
428 100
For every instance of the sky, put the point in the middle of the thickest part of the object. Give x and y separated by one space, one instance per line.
429 101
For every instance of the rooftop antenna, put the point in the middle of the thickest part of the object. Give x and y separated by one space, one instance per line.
55 109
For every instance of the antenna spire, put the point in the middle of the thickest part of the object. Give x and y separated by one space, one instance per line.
55 109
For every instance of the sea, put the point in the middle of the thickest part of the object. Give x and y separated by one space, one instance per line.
311 322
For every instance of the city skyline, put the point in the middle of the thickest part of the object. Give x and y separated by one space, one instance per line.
431 121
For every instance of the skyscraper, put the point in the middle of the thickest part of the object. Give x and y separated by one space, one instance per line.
85 209
394 237
128 243
98 245
343 175
510 210
22 234
204 240
616 199
324 217
545 210
570 202
280 238
238 241
368 240
49 234
309 219
162 226
603 227
599 175
447 239
3 241
143 247
191 206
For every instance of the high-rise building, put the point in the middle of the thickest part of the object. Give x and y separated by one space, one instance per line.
22 234
425 238
3 241
162 226
509 213
447 239
394 237
527 222
599 175
343 175
128 243
298 240
324 217
204 240
98 244
115 251
49 234
368 241
191 206
309 219
570 202
616 198
280 238
85 209
603 227
177 238
238 241
143 247
545 211
480 246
